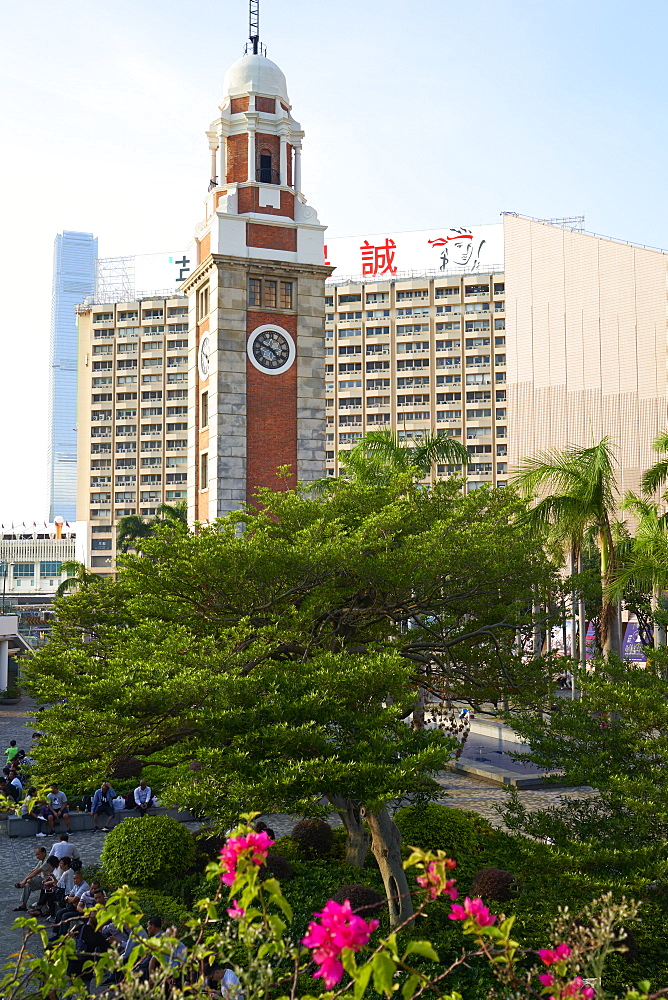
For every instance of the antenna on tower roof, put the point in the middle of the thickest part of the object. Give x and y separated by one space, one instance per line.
254 44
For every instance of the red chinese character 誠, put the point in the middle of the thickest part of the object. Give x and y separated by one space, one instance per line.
378 260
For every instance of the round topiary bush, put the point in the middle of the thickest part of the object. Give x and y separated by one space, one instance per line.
496 884
145 850
437 828
314 837
362 898
276 866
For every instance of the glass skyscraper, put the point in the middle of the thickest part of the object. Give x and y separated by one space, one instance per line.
73 279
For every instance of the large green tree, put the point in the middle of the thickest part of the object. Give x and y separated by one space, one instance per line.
264 669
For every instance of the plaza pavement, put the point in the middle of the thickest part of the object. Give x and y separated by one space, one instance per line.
16 854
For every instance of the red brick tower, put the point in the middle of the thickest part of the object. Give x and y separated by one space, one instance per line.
256 372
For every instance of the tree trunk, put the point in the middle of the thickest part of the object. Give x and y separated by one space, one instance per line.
582 623
418 720
611 625
359 841
385 844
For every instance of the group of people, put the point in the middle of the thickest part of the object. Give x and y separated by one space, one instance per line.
54 807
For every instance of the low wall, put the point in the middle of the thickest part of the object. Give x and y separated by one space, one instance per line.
79 822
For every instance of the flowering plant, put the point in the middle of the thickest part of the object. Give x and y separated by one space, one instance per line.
245 923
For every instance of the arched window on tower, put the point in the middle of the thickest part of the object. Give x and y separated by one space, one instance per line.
266 172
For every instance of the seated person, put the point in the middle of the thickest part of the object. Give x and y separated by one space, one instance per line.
143 797
33 808
95 896
68 914
103 805
64 883
57 804
10 791
153 930
34 879
63 849
90 944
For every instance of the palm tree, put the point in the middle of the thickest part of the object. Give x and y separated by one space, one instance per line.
77 576
382 454
655 477
585 494
132 528
645 567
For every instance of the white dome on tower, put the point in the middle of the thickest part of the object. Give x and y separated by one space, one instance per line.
255 74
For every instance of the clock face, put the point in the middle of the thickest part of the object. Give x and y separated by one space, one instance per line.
271 349
203 356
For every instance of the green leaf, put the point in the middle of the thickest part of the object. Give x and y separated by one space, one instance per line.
424 948
362 981
383 972
410 987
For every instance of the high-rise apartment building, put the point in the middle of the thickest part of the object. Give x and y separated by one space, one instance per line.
133 414
73 279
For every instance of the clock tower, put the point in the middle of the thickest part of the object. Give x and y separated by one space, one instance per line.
256 302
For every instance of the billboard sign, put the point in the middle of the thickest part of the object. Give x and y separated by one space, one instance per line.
633 647
455 249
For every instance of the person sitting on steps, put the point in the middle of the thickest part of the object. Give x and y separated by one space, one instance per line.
103 804
34 879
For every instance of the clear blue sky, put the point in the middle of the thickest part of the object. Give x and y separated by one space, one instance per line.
414 118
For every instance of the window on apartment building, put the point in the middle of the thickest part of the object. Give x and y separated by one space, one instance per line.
103 348
177 345
127 349
126 379
126 363
375 297
49 568
353 298
476 289
126 463
151 411
100 366
440 293
421 293
121 396
176 411
102 317
100 544
152 313
151 378
203 471
499 287
128 316
152 460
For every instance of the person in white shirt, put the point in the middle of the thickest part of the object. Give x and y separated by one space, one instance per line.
143 797
60 885
63 849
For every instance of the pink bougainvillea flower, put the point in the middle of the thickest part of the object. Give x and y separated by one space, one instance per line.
434 879
339 928
473 908
577 990
547 979
549 956
235 911
252 847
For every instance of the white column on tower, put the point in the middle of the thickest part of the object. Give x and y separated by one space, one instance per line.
284 160
251 120
222 158
297 179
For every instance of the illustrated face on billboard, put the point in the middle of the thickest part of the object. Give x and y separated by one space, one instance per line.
460 249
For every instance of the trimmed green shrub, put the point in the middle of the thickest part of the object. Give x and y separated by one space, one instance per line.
314 837
362 898
434 827
159 904
146 850
495 884
278 867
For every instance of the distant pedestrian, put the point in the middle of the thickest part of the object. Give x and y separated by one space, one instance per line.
12 751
